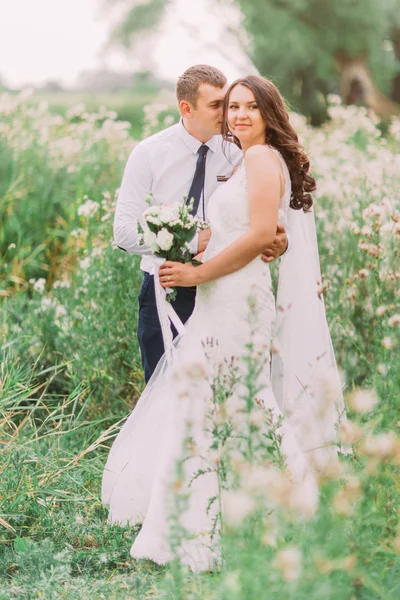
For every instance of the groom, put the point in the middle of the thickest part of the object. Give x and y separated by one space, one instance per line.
186 159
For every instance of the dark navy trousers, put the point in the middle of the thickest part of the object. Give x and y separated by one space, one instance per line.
149 329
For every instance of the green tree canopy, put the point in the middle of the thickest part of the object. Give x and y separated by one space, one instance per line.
304 45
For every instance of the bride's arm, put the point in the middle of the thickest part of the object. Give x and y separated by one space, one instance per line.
263 171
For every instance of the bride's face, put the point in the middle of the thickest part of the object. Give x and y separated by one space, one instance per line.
244 117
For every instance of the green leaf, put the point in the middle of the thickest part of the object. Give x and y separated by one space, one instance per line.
20 544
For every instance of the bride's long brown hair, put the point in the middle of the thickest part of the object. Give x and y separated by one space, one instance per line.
279 134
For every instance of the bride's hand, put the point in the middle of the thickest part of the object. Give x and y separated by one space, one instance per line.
175 274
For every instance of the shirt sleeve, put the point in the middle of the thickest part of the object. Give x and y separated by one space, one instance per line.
135 189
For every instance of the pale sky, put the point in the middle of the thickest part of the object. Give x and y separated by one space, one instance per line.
55 39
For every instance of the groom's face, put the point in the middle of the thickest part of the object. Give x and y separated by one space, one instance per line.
207 114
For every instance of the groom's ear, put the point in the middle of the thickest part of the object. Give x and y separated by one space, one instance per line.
186 109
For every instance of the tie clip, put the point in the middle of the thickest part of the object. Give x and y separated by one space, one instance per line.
222 178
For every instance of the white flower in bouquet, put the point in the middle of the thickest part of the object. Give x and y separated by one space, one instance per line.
154 220
154 211
150 239
168 214
165 239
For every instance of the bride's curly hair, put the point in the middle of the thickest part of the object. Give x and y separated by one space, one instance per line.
279 134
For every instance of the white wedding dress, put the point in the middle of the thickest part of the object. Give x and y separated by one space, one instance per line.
142 462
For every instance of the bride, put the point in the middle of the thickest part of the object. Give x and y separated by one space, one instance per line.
272 182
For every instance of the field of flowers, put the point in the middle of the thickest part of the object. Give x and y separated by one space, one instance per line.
70 372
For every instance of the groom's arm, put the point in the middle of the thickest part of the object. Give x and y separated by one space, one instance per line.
135 187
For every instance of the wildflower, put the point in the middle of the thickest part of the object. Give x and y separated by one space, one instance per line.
236 506
322 287
383 369
61 311
388 343
39 285
232 582
349 432
88 209
366 230
84 263
62 283
46 303
363 401
345 499
288 561
394 320
381 446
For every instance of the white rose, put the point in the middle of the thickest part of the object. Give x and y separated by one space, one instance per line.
165 239
150 239
167 214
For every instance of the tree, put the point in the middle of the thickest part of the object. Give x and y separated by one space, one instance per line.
307 46
310 48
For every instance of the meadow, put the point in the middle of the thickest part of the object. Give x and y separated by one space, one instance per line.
70 372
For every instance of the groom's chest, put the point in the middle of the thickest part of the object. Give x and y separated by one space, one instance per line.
175 172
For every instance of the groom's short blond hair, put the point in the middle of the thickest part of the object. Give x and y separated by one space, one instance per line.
187 87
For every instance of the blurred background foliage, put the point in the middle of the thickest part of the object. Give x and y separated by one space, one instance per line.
310 48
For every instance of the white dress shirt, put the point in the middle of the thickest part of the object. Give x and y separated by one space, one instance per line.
162 168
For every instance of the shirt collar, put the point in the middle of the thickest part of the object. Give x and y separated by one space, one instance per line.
193 143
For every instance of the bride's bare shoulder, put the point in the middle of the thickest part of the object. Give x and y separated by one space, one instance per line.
258 154
259 151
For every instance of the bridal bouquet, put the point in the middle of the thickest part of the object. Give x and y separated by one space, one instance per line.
167 231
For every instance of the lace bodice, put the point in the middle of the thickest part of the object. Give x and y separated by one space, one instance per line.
228 209
229 219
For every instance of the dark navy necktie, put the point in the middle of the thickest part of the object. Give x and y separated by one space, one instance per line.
197 187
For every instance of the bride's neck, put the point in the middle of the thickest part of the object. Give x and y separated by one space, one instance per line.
245 146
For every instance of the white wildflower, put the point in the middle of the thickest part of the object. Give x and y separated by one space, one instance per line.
236 506
62 283
388 343
61 311
39 285
84 263
88 209
288 561
363 401
394 320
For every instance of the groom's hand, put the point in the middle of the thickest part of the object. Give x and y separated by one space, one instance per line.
278 246
204 238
